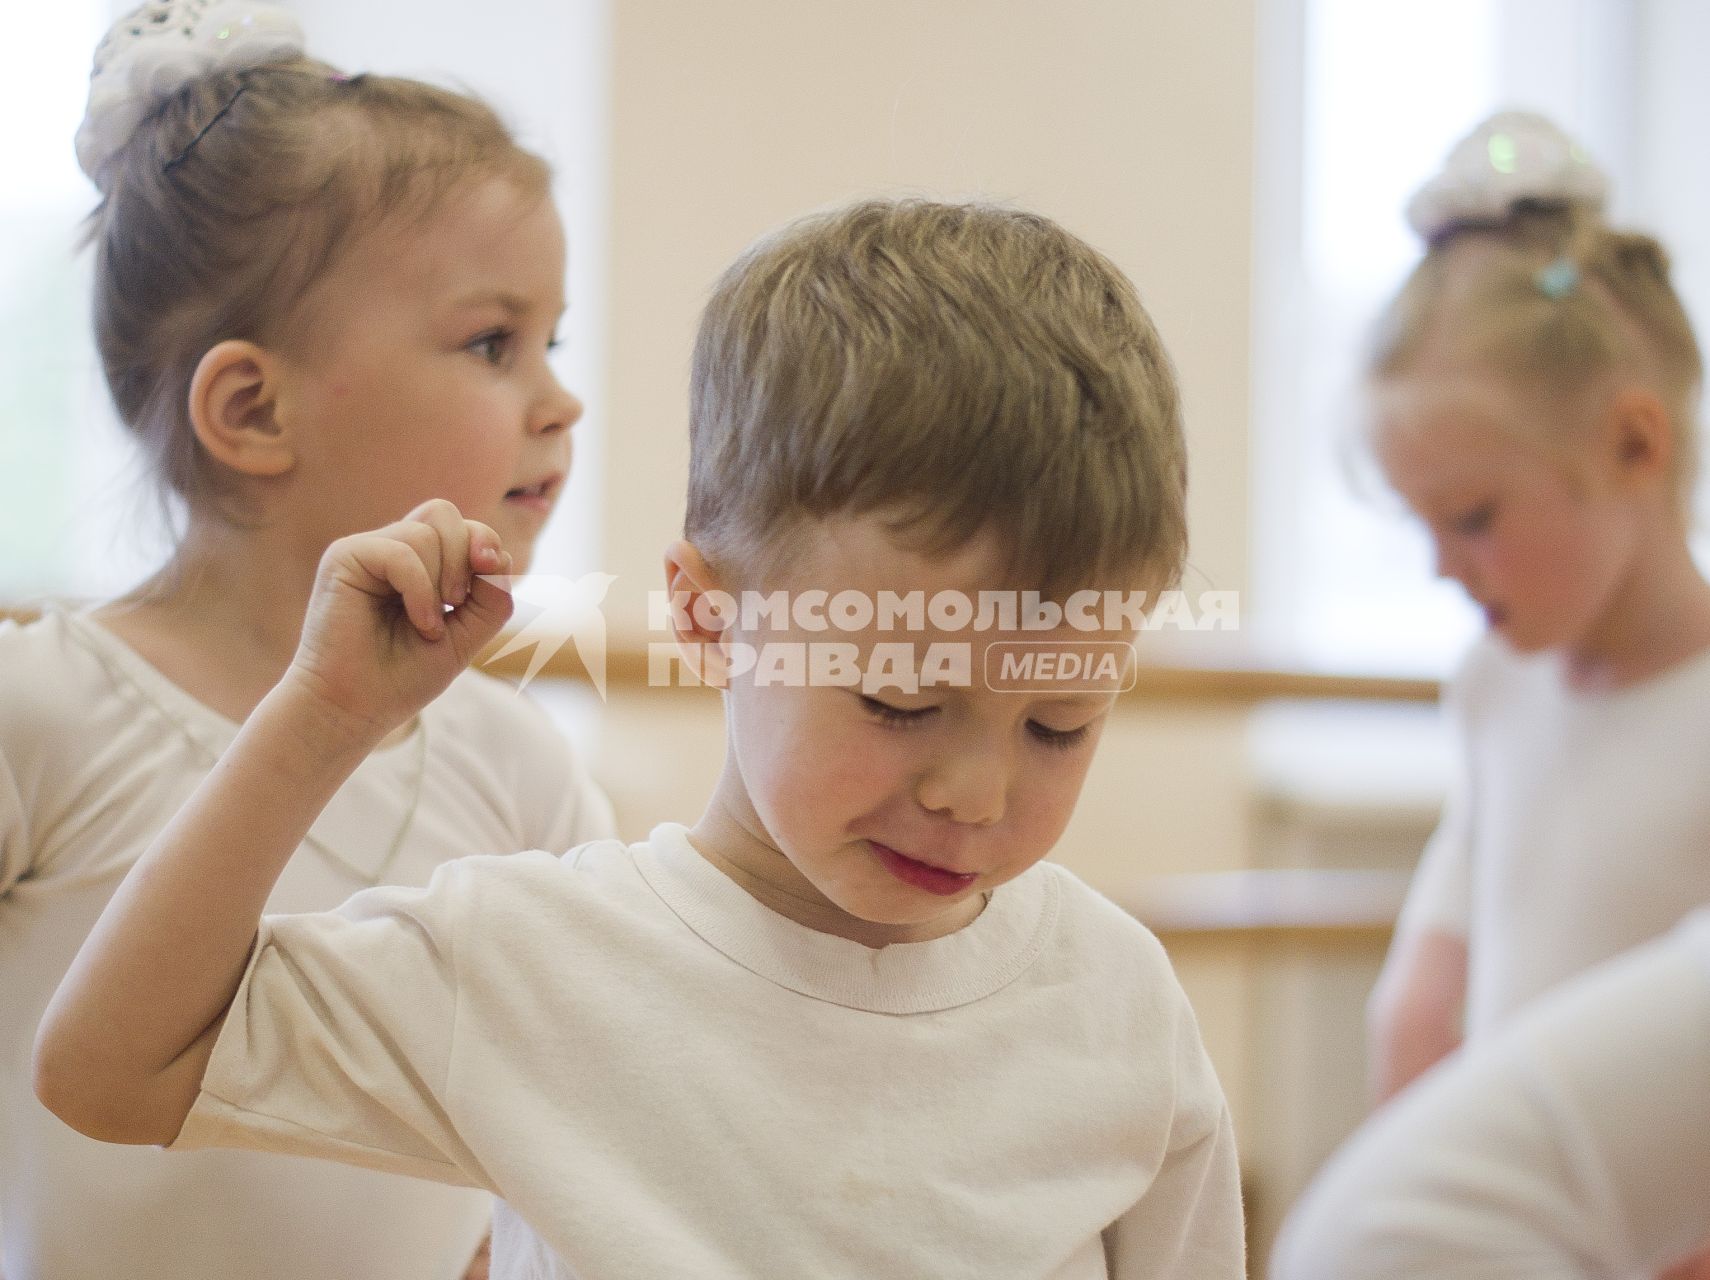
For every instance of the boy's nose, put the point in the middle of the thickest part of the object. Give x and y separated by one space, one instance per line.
967 788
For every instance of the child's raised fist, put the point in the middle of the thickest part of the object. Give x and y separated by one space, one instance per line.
397 613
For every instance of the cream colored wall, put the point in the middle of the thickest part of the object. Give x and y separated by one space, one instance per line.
1130 121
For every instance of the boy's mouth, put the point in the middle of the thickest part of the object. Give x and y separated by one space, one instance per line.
922 875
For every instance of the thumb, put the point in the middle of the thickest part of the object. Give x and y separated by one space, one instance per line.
482 615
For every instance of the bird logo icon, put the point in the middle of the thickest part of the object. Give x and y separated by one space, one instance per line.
565 610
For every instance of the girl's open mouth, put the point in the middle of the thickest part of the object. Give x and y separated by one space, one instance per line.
536 497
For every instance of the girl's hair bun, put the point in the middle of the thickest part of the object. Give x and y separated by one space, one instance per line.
1514 158
157 49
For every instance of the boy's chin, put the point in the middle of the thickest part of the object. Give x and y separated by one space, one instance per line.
915 909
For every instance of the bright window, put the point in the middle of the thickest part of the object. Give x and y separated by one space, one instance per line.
62 461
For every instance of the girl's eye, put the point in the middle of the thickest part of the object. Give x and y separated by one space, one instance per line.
1475 521
1062 739
888 714
492 346
554 342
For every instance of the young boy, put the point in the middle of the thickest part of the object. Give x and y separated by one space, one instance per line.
849 1024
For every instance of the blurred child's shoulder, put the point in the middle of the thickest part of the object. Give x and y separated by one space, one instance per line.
1489 671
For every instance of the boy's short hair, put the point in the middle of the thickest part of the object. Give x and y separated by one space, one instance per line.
957 368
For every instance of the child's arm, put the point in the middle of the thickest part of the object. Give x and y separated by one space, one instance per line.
1417 1007
123 1046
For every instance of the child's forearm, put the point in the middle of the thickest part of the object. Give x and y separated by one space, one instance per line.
1416 1010
396 614
123 1046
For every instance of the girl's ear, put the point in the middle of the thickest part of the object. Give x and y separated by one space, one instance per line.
1639 435
233 396
699 612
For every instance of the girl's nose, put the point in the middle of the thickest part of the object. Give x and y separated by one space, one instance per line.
558 410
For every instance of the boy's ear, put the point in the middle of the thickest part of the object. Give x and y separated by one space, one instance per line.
233 398
1640 435
699 624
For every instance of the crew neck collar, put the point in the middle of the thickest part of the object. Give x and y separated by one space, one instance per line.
977 960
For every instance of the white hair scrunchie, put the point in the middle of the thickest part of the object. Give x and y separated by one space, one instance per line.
155 50
1512 156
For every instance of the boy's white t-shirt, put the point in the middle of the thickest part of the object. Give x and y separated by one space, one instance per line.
98 751
1572 1142
1578 825
659 1076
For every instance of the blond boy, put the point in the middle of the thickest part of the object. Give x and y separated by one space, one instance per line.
848 1024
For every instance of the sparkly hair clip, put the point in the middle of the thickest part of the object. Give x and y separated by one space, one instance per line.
1513 158
1558 279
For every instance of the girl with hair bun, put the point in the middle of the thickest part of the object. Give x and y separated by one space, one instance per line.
1534 389
322 301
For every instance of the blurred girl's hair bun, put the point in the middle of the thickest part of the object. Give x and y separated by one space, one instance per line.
1513 160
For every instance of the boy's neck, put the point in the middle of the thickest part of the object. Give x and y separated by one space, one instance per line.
739 848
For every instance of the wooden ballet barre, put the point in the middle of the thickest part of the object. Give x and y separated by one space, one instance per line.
1245 681
1315 908
1232 675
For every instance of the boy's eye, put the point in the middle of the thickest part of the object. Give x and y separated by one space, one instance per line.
1475 521
1063 739
895 715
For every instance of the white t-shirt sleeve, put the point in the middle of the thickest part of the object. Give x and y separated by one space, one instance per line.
1576 1143
340 1040
1188 1225
1439 898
